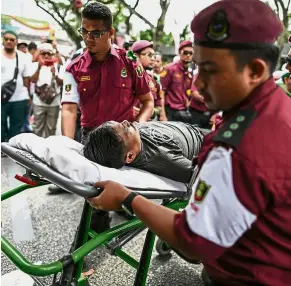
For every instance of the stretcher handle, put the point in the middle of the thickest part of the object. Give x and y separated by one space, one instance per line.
35 165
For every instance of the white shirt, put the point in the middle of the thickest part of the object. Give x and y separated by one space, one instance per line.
7 73
45 77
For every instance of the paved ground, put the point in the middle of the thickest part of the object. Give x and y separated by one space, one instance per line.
42 226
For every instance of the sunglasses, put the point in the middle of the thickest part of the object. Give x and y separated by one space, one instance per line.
288 60
185 53
9 39
150 55
46 53
95 33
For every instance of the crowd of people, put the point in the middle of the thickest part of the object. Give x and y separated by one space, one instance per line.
238 218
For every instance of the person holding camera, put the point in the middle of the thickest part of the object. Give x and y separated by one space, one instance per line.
14 86
46 96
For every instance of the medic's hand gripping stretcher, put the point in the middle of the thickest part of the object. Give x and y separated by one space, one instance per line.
59 160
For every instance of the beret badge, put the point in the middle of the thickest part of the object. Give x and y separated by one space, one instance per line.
218 27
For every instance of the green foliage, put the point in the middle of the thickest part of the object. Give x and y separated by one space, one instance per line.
166 39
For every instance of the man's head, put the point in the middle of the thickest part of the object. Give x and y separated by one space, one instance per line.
9 41
32 48
97 30
186 52
286 78
145 52
158 62
46 52
113 144
234 50
22 47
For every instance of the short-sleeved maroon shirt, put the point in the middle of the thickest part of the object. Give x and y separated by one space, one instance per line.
175 82
107 90
239 215
155 88
195 104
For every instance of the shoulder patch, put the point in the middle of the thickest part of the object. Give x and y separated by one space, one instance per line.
232 131
163 73
131 55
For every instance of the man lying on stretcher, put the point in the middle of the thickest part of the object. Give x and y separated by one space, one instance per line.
162 148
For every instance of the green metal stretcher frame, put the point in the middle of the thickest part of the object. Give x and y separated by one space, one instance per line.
68 271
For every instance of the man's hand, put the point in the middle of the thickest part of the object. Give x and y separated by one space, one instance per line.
112 196
136 111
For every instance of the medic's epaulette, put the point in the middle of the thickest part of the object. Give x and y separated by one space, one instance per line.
232 131
131 55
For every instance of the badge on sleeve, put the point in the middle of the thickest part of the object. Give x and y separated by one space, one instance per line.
139 71
68 87
123 72
163 73
201 191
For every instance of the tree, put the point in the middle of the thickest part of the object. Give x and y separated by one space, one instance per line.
282 10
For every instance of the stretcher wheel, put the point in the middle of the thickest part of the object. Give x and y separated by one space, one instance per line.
162 248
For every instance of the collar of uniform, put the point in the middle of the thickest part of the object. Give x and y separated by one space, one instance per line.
89 60
260 92
180 65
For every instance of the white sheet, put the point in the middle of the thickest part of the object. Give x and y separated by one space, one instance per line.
65 155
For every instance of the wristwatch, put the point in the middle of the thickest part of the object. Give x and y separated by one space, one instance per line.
126 204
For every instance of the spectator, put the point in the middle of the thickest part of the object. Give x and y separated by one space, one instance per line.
286 79
158 68
22 47
32 48
46 97
13 107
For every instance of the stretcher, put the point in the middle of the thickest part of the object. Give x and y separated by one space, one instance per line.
41 169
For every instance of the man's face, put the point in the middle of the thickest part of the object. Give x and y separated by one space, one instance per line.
288 66
9 42
287 82
147 58
158 62
95 35
218 81
127 131
186 55
46 55
22 48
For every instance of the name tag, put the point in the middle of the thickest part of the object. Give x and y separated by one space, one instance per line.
85 78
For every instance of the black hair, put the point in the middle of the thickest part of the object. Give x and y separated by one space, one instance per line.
269 54
98 11
32 46
105 147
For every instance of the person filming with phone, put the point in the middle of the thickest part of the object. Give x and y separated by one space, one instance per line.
48 80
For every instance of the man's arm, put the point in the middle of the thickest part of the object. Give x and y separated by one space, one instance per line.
157 218
70 101
26 82
147 107
69 118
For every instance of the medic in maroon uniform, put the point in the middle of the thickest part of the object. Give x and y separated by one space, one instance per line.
104 81
239 214
146 54
176 80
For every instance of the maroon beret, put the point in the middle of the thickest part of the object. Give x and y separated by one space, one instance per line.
236 24
184 44
140 45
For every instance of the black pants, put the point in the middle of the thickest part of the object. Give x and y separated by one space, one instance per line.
201 119
178 115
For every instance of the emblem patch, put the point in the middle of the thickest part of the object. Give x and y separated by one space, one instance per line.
124 72
201 191
163 73
218 28
178 75
85 78
151 85
139 71
68 87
